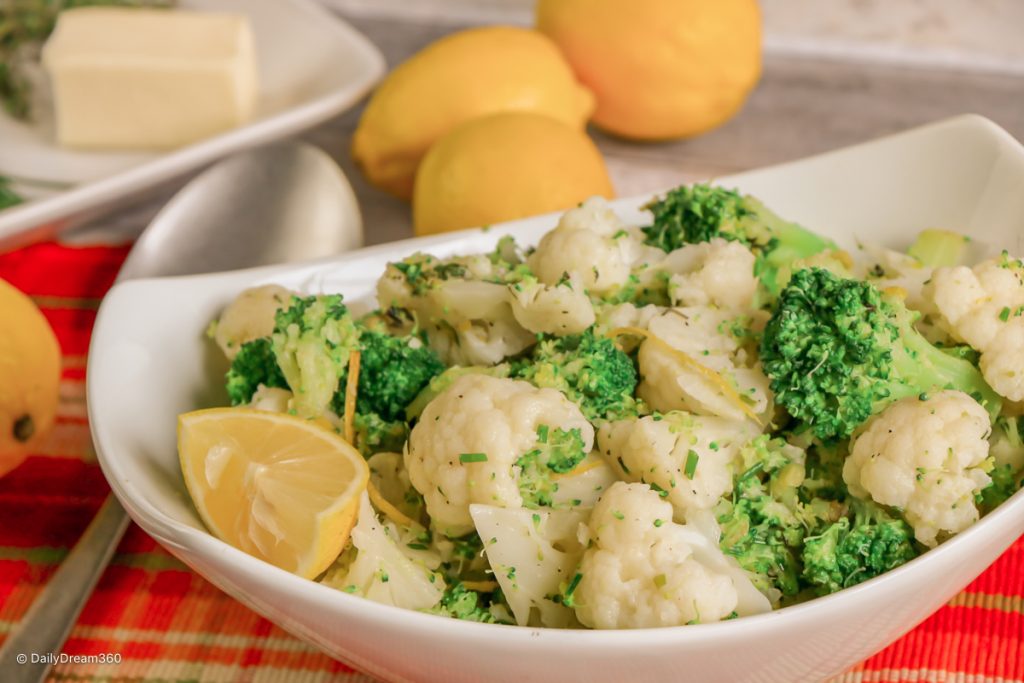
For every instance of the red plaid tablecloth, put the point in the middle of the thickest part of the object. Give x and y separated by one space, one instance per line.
168 624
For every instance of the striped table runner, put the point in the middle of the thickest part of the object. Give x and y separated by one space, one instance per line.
166 624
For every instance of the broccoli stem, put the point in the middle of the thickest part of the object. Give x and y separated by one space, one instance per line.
918 367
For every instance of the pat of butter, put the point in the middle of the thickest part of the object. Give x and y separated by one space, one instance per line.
149 78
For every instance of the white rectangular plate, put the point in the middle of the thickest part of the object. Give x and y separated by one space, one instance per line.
312 66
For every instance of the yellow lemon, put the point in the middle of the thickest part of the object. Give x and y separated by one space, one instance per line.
660 69
505 166
462 76
29 377
279 487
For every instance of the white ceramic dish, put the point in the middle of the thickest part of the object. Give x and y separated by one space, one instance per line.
312 66
149 362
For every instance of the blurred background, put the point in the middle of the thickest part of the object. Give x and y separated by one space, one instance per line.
834 73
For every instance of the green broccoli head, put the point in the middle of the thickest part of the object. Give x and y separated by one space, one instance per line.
849 551
557 451
1007 474
312 339
459 602
770 513
590 370
254 365
691 214
837 351
761 525
392 372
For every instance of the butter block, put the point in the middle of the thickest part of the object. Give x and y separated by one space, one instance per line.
149 78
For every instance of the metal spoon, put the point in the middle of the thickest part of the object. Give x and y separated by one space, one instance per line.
281 203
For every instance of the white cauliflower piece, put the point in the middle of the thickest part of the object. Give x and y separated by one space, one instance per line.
250 316
581 487
613 316
926 458
716 273
465 446
984 307
687 457
532 552
467 321
722 377
642 570
970 301
271 399
381 571
1002 361
584 246
552 309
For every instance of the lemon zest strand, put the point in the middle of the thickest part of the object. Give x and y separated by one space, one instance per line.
707 373
389 510
481 586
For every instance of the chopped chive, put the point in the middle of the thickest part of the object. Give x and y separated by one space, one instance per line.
473 457
658 522
1004 314
542 434
618 515
661 492
416 546
692 458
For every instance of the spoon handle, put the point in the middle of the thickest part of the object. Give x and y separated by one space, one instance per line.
27 654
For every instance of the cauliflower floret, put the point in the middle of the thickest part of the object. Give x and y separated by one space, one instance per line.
721 376
381 571
584 246
925 457
983 307
466 445
970 301
531 554
1002 361
689 458
718 273
467 321
552 309
612 316
893 269
642 570
250 316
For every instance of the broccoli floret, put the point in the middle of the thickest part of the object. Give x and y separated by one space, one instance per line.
851 551
837 351
758 528
254 365
558 451
1006 476
461 603
374 434
699 213
590 370
312 339
392 372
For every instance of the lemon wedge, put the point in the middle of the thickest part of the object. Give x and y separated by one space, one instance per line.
281 488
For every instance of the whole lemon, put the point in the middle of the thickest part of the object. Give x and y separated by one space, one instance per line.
505 166
460 77
29 377
660 68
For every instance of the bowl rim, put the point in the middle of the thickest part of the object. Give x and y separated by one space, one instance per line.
181 539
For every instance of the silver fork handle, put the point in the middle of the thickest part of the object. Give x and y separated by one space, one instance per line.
49 620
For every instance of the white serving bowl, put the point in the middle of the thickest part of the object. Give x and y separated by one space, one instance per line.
150 361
